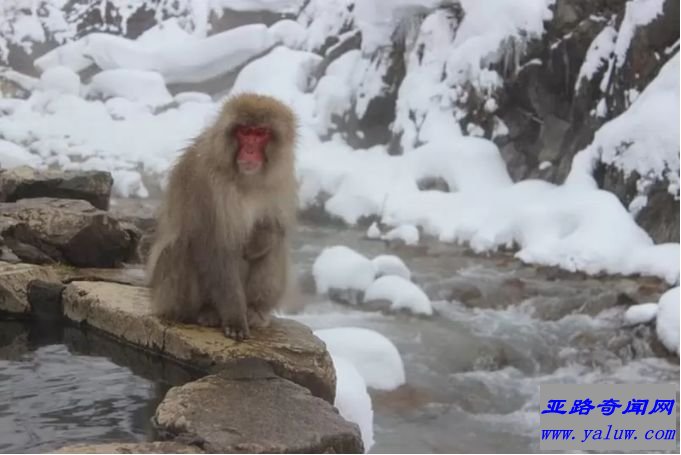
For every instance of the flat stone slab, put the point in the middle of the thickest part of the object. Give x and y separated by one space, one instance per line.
249 409
124 312
25 182
14 280
131 447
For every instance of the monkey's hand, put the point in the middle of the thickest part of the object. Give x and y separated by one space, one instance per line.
265 236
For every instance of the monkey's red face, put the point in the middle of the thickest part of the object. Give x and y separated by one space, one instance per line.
252 142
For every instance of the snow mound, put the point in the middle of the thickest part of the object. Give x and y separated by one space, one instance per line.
146 87
289 83
387 264
128 184
13 155
668 320
402 293
374 232
640 314
193 97
289 33
340 267
375 357
353 400
182 58
408 233
60 79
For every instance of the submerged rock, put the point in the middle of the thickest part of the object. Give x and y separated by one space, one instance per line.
14 281
124 311
46 230
25 182
250 409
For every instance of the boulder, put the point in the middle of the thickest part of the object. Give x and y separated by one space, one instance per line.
124 312
45 230
131 447
14 281
25 182
249 409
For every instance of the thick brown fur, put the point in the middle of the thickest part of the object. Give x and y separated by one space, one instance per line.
221 249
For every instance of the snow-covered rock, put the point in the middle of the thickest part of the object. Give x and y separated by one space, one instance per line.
13 155
340 267
145 87
401 293
640 314
667 323
388 264
353 400
375 357
408 233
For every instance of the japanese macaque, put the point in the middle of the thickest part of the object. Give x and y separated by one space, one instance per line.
220 256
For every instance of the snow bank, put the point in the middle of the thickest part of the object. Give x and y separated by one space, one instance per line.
13 155
640 314
146 87
60 79
340 267
401 293
387 264
283 73
352 400
374 356
177 55
668 320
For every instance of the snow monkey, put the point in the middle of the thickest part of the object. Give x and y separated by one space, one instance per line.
220 256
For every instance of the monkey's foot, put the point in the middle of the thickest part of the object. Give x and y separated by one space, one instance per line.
208 317
237 332
257 319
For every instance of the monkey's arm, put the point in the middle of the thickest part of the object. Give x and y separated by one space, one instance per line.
266 282
266 234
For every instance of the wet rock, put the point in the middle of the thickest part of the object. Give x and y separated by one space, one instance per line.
46 230
44 298
14 281
124 312
131 447
250 409
25 183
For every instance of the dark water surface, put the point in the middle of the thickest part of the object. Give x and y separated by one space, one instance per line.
61 385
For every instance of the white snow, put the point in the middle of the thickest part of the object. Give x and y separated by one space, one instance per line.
60 79
129 184
668 320
408 233
388 264
353 400
597 55
641 314
184 58
373 355
145 87
645 138
401 293
374 232
340 267
13 155
636 13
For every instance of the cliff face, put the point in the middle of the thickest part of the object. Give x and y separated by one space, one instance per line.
540 84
